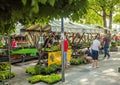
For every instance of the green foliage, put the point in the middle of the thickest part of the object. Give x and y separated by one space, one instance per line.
35 79
55 66
24 2
6 75
118 43
116 18
5 71
113 44
1 44
4 66
51 2
91 18
76 61
42 1
102 10
69 47
39 69
50 79
30 12
31 70
53 48
70 1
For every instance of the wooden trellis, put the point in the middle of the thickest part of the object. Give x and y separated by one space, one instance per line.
5 58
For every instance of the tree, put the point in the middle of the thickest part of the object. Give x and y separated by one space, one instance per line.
116 17
91 18
37 11
105 9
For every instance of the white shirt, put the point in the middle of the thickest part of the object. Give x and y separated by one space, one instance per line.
95 45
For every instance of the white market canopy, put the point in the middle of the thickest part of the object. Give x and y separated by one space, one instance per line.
73 27
55 26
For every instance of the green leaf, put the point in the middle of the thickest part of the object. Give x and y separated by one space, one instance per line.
34 2
35 9
70 1
51 2
43 1
24 2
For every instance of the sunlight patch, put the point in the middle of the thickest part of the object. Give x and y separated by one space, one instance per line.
115 58
112 74
108 70
84 81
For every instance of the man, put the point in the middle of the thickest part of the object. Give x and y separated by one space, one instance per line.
95 51
106 41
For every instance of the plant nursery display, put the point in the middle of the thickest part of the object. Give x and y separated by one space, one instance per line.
46 74
50 79
40 69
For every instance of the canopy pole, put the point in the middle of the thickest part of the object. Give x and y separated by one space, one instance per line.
62 42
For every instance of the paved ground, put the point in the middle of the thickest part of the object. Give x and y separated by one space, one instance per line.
107 74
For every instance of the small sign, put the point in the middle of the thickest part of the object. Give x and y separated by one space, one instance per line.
41 40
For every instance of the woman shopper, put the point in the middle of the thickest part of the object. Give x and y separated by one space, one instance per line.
65 51
95 51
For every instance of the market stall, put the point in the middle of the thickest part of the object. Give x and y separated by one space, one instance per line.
78 35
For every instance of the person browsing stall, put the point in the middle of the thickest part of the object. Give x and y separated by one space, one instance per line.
87 55
95 51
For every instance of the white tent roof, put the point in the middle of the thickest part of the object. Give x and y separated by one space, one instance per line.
73 27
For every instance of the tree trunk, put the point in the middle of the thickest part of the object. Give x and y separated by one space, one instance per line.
104 18
110 20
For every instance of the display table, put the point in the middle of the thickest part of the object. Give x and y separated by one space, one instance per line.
19 55
30 53
24 51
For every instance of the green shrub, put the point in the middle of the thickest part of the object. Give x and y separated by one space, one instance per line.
39 69
56 66
4 66
50 79
31 70
46 78
6 75
35 79
53 48
77 61
118 43
113 44
69 47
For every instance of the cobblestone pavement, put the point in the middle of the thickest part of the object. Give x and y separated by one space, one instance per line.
107 74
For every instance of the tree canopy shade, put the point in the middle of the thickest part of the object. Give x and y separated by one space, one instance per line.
116 18
105 9
38 11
